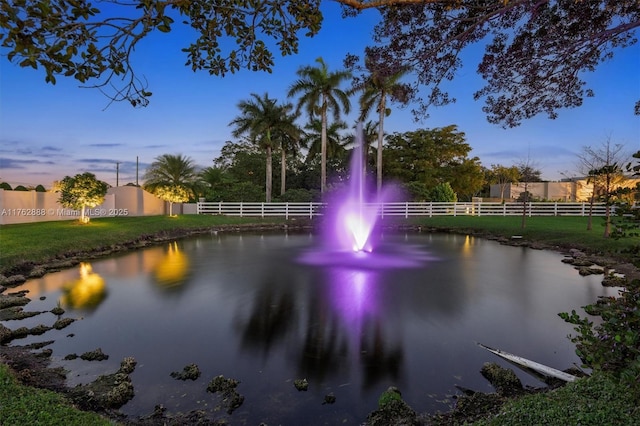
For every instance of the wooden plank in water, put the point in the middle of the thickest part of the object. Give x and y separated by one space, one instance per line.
535 366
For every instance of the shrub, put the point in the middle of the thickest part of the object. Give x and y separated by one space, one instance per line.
443 193
614 344
297 195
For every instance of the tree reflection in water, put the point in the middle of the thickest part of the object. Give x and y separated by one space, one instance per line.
341 327
272 316
86 292
173 270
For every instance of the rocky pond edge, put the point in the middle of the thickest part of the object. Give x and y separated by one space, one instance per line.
31 363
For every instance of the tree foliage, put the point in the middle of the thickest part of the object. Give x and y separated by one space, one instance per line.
612 343
173 193
502 176
432 157
377 87
320 93
536 53
535 56
173 177
443 192
266 123
81 191
604 169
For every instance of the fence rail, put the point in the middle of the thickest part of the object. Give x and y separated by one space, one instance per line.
406 209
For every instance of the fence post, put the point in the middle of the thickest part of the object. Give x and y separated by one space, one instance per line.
262 210
555 208
406 210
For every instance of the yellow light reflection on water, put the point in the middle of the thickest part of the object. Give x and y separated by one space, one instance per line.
85 292
173 269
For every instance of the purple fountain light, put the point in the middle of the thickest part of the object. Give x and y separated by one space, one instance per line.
350 226
353 218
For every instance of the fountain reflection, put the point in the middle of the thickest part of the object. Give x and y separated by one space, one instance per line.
341 323
172 270
353 260
354 295
86 292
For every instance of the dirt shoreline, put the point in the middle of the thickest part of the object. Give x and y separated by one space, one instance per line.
31 363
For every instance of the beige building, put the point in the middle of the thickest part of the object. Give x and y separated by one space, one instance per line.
575 190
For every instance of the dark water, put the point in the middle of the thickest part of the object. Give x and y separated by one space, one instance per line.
269 309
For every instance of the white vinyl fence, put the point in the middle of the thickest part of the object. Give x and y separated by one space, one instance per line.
406 209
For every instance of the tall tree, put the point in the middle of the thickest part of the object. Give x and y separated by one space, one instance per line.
320 92
288 135
468 178
502 176
81 191
536 52
431 157
603 166
261 117
528 173
532 65
214 179
376 87
334 142
369 137
173 178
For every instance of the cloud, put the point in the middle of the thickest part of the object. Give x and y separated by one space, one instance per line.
12 163
52 148
155 146
97 160
105 145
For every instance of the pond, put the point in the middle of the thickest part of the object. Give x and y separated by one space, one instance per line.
269 309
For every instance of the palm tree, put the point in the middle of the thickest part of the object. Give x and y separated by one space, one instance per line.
375 89
369 134
288 136
173 178
320 92
334 143
261 118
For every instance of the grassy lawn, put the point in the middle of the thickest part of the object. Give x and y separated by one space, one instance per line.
23 405
596 400
564 231
37 242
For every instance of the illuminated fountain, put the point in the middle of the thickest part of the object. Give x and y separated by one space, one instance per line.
350 227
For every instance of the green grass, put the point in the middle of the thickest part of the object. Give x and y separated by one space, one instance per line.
597 400
23 405
563 231
37 242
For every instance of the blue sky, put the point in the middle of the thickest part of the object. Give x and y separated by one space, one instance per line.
48 132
